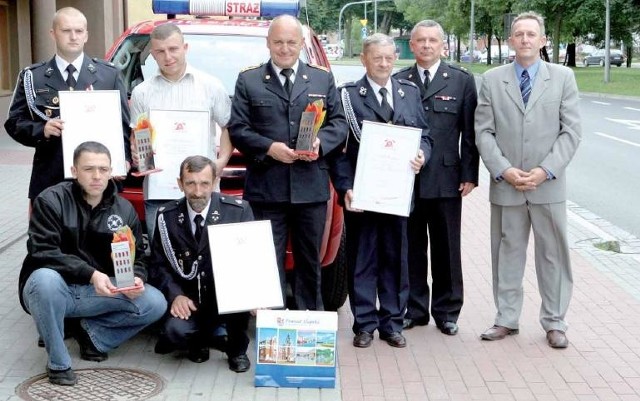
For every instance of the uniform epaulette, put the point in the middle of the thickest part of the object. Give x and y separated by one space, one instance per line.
347 85
33 66
404 69
169 206
407 82
253 67
231 200
460 68
325 69
103 62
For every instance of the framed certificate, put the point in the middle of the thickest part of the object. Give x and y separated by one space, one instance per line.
92 116
384 177
244 264
178 134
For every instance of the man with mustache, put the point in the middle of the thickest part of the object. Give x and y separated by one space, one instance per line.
181 266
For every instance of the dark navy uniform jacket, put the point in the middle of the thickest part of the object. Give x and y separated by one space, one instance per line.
223 209
27 127
407 112
450 103
262 113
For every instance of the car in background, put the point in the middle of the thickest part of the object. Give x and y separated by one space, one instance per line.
598 57
506 55
466 57
223 47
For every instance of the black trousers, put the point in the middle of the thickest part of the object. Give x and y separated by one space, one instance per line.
378 271
302 224
435 221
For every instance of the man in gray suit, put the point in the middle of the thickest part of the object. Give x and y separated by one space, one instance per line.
527 131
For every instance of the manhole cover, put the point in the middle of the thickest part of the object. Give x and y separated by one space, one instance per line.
95 384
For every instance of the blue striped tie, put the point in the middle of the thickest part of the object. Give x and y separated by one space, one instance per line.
525 87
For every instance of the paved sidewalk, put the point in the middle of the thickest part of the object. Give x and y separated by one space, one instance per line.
602 362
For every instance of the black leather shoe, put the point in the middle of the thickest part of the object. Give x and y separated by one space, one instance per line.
198 355
164 346
65 377
394 339
409 323
448 328
219 343
88 351
363 339
239 363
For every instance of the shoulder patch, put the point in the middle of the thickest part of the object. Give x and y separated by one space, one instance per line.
460 68
103 62
169 206
319 67
34 66
232 200
347 85
253 67
407 82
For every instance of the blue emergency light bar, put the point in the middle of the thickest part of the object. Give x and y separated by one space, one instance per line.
229 8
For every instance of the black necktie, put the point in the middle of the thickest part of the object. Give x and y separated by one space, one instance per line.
287 72
525 87
71 81
198 220
385 108
426 79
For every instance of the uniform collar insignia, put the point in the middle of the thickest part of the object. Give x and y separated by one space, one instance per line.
410 76
400 92
181 218
49 71
267 76
304 76
363 91
445 75
215 215
91 68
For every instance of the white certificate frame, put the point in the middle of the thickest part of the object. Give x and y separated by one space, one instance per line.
245 269
93 115
384 178
177 135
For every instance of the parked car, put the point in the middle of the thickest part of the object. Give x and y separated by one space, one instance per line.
223 47
466 57
506 55
597 58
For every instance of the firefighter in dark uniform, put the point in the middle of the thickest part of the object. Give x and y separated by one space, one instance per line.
181 267
377 242
289 189
449 98
34 114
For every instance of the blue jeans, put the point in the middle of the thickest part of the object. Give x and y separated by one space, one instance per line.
109 320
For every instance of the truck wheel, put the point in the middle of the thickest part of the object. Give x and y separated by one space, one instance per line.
334 278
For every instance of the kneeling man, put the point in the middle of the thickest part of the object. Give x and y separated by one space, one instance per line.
68 271
181 266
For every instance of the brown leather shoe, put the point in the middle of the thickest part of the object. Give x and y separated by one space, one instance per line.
557 339
394 339
498 333
362 339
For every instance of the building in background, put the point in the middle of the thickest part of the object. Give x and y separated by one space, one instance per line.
25 25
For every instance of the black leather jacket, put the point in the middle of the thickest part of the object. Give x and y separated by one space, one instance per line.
68 236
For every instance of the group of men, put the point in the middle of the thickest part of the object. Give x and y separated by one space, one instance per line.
525 126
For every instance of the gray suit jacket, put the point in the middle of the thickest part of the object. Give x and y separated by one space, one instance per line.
546 134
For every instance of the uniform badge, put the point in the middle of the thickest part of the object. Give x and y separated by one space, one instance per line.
55 100
401 92
48 112
91 68
363 91
48 72
114 222
181 218
215 215
304 76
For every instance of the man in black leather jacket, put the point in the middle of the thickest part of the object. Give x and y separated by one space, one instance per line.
68 271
